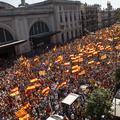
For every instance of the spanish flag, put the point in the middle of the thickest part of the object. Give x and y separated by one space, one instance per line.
117 47
34 80
91 62
59 58
81 60
72 55
14 92
30 87
108 48
46 90
26 117
75 61
67 63
36 59
42 73
54 49
73 58
66 71
26 106
103 57
98 63
61 84
75 69
95 53
82 72
20 113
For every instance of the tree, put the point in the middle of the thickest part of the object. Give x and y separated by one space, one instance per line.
98 104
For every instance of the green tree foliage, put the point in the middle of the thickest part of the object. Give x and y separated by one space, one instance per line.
98 104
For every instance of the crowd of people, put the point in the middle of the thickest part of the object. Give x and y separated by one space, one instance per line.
33 87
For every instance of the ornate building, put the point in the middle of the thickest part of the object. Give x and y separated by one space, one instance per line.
51 21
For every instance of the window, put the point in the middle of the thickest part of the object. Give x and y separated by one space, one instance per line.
62 36
67 36
61 20
70 17
72 34
74 16
66 19
5 35
76 33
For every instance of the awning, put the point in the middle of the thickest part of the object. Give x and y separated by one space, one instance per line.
11 43
45 34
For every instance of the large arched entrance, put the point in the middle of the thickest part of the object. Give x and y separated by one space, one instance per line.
39 35
6 37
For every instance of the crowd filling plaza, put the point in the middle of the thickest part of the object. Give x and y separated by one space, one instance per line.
33 87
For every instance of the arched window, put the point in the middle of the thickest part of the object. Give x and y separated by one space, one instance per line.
5 35
39 27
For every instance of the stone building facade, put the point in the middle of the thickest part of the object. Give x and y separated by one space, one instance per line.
108 16
91 16
51 21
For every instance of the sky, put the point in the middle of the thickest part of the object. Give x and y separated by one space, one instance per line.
103 3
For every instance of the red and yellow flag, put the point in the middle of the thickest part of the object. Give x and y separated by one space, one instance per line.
82 72
14 92
34 80
26 117
91 62
59 58
46 90
30 87
75 69
61 84
20 113
26 106
103 57
67 63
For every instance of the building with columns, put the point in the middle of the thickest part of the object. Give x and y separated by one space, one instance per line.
51 21
32 26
